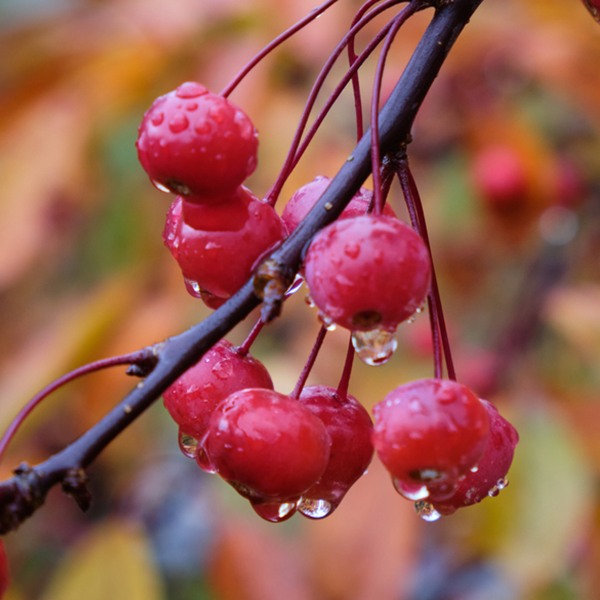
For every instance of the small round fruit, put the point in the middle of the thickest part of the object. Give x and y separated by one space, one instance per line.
218 246
268 446
369 272
428 434
192 142
304 198
350 428
220 372
492 468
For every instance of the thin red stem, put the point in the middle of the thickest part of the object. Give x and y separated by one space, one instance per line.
342 390
319 10
138 357
292 158
398 21
309 363
415 208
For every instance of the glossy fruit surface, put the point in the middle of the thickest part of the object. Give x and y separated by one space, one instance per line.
492 468
269 447
428 434
220 372
350 428
304 198
194 142
369 272
218 246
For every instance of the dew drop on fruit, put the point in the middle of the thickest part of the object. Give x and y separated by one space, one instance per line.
426 511
275 513
157 119
178 123
410 492
188 444
193 288
203 461
498 487
352 249
374 347
326 321
159 186
315 509
223 370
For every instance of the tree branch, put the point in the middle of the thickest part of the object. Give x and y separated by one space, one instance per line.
25 492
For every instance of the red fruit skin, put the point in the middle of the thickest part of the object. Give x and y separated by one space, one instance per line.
430 425
220 372
500 177
269 447
350 428
197 143
4 573
304 198
491 468
370 272
219 258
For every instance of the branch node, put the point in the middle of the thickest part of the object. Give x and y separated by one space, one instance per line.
74 485
271 281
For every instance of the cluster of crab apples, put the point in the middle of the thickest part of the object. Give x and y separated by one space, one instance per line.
444 447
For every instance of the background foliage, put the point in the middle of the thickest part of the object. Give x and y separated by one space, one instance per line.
84 275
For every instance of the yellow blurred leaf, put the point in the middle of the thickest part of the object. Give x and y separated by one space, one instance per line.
113 562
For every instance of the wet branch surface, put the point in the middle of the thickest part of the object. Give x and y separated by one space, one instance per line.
24 493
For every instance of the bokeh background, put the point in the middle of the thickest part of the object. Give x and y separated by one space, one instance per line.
84 275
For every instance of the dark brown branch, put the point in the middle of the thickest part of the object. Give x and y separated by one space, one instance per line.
26 491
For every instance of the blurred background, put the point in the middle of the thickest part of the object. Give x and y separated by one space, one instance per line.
506 153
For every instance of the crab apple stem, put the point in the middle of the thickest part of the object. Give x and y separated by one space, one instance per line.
319 10
342 390
417 216
398 21
246 345
352 57
309 363
144 359
293 155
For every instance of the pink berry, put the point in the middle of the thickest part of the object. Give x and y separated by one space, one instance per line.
490 476
428 434
220 372
350 429
370 272
195 143
218 246
4 573
304 198
269 447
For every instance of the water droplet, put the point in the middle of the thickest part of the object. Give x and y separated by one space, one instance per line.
178 123
223 370
411 492
203 461
426 511
309 301
191 106
244 124
328 206
275 513
475 469
193 288
202 127
498 487
188 444
422 307
190 89
315 509
157 119
160 186
352 249
216 114
326 321
374 347
446 395
350 158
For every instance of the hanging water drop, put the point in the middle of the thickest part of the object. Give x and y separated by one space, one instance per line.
309 301
326 321
204 461
410 492
188 444
275 513
193 288
498 487
374 347
315 509
296 285
426 511
160 186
